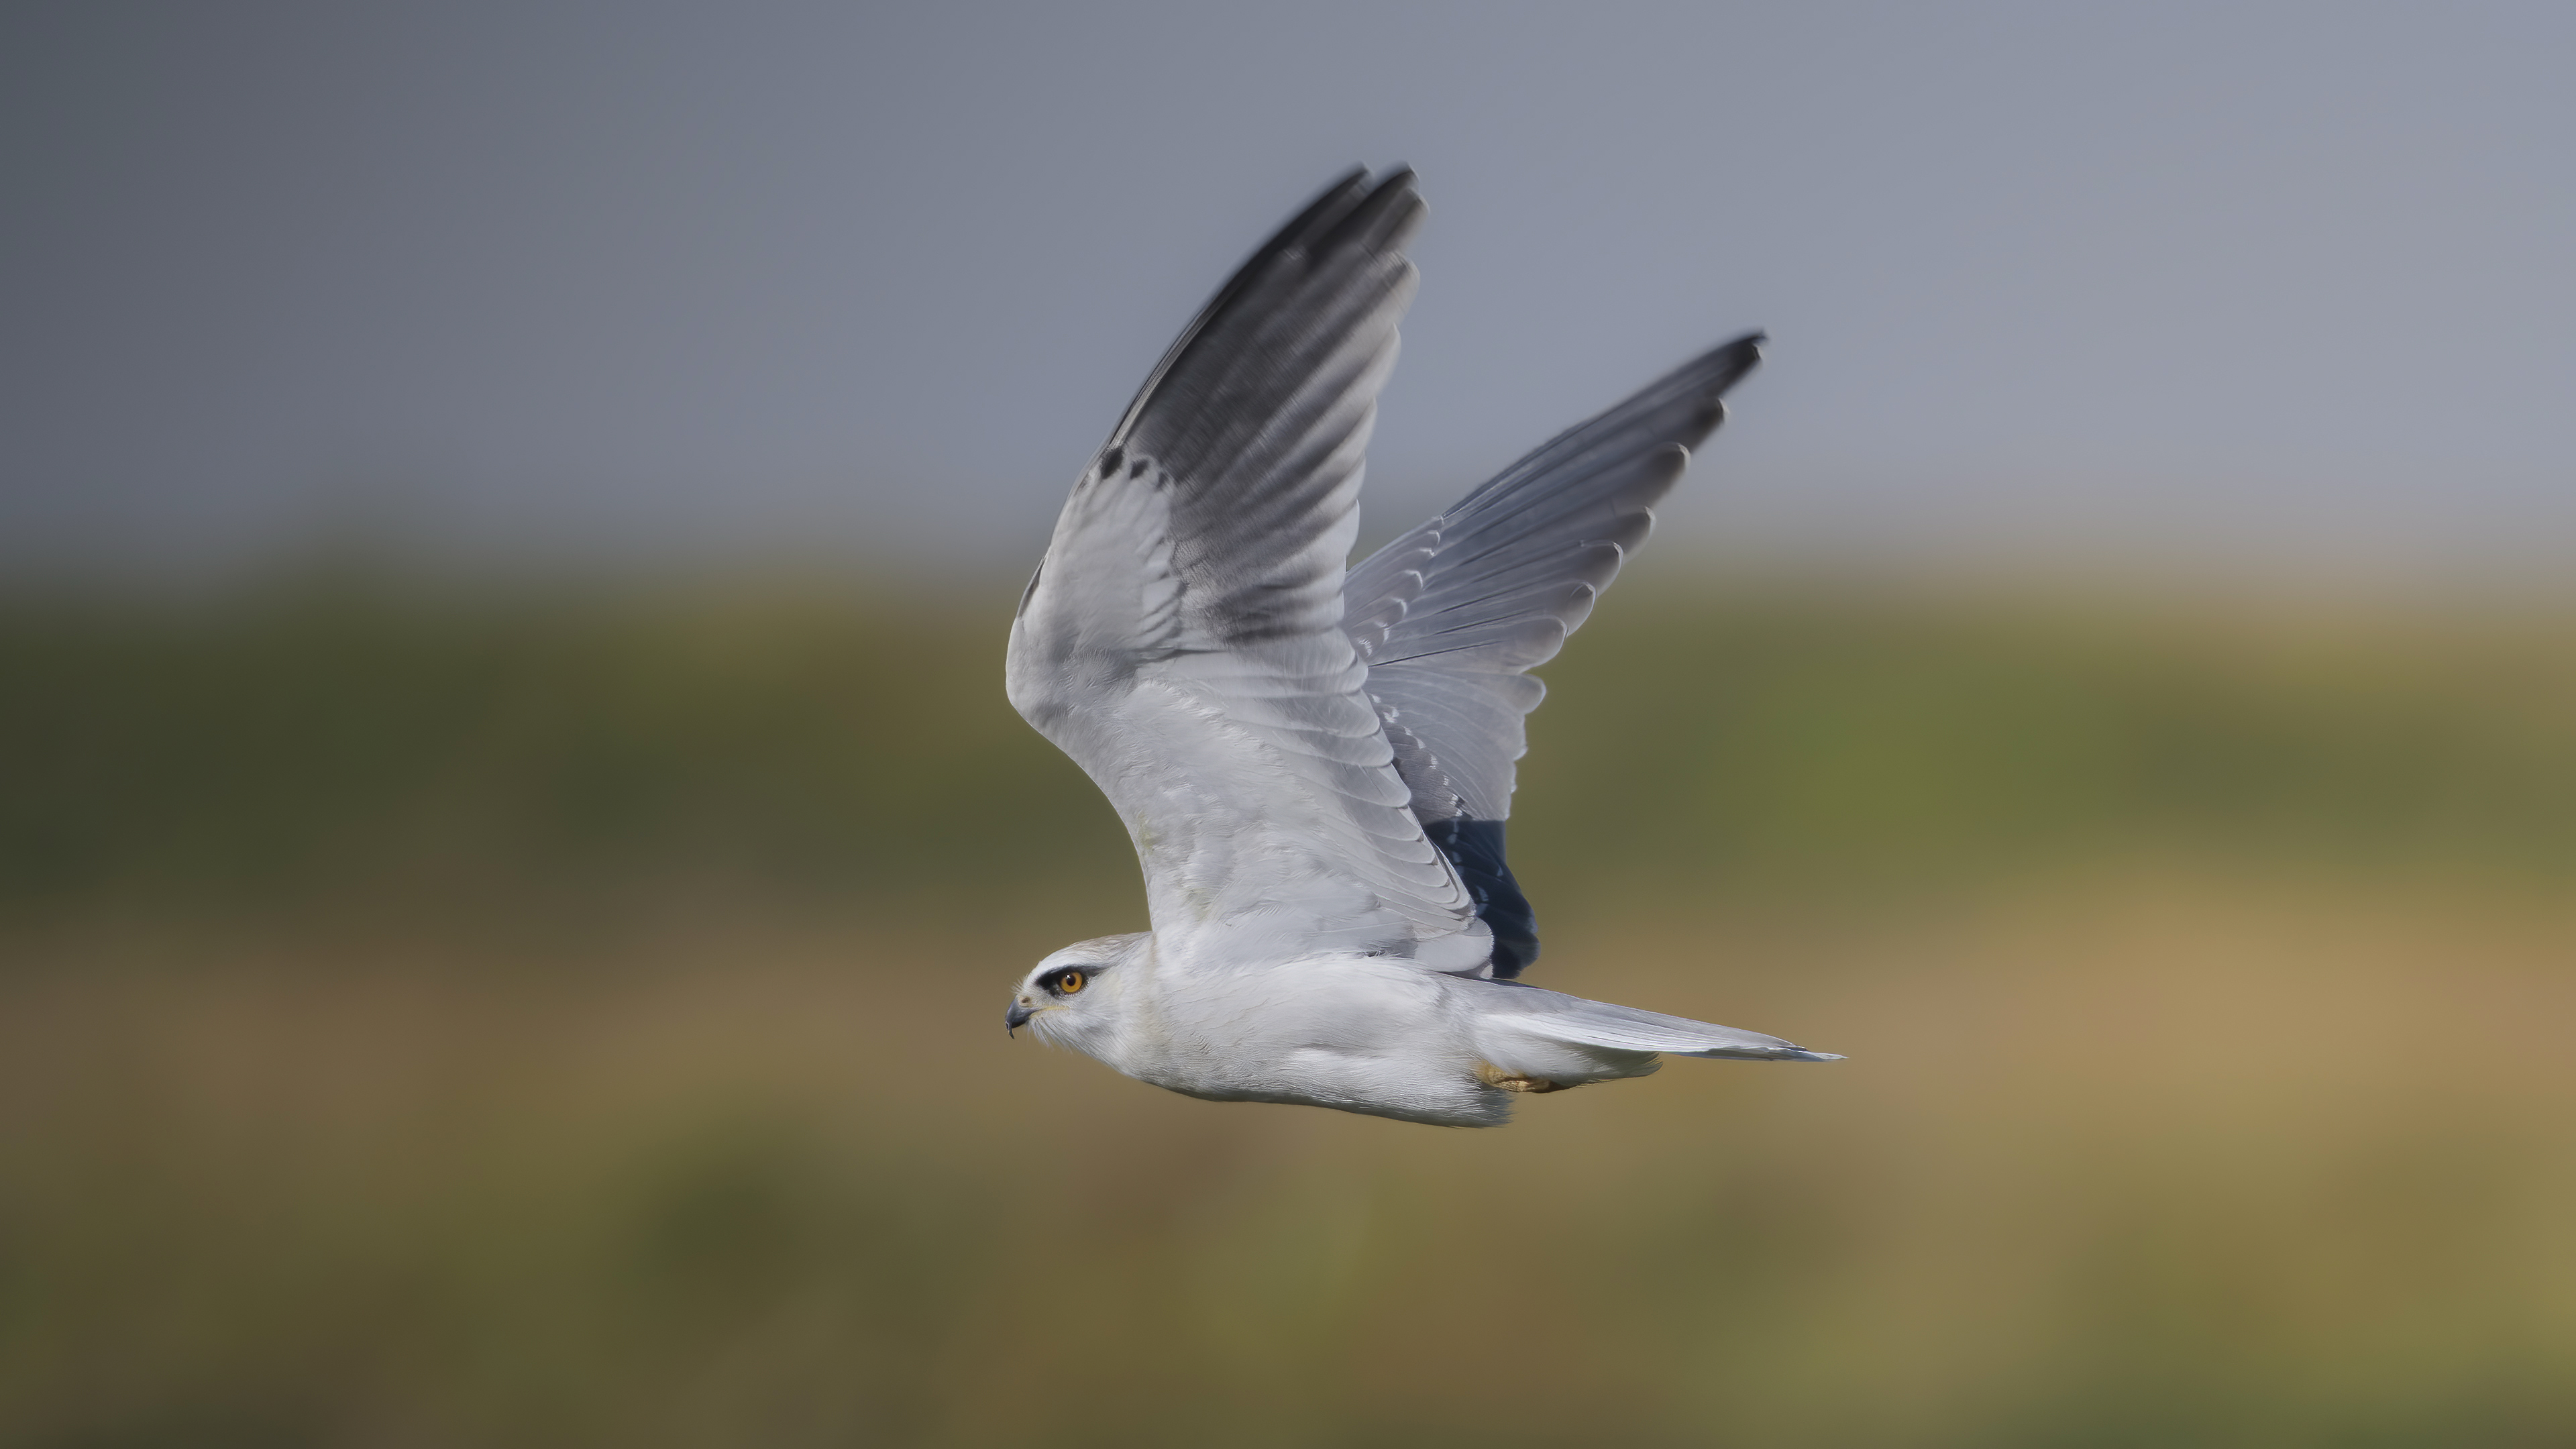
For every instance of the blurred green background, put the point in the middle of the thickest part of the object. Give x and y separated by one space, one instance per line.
530 974
570 1017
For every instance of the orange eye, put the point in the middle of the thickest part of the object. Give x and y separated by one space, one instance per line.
1070 982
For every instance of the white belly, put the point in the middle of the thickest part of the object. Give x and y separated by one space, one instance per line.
1363 1034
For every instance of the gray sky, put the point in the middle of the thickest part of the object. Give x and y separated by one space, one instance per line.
532 280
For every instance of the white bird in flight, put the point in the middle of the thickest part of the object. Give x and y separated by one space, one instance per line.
1315 762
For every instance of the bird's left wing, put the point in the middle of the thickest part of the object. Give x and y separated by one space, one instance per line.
1182 640
1452 616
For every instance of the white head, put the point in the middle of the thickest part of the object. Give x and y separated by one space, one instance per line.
1072 998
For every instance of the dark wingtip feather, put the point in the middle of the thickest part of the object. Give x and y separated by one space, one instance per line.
1351 207
1327 210
1381 222
1728 363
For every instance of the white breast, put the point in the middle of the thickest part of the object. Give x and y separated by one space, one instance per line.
1361 1033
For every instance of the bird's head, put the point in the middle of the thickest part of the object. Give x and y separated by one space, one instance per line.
1071 998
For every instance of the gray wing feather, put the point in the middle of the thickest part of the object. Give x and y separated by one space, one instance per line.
1182 640
1450 616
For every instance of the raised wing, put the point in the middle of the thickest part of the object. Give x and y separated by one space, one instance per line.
1450 617
1182 640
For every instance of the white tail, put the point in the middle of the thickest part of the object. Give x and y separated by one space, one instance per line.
1555 1016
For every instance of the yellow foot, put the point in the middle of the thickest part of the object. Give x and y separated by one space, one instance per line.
1494 1076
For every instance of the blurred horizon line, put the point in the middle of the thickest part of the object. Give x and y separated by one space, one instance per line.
2358 567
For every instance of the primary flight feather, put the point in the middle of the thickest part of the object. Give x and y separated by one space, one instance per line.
1315 762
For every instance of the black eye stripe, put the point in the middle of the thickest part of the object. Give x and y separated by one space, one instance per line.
1053 983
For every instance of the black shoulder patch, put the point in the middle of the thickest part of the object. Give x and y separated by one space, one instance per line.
1109 464
1475 847
1136 469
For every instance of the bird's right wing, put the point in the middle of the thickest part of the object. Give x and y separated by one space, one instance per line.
1182 640
1451 616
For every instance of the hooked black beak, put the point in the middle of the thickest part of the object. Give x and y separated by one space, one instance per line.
1017 1017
